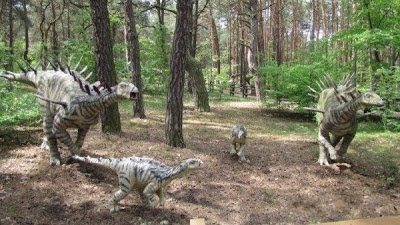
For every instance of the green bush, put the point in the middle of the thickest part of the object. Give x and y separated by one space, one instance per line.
17 106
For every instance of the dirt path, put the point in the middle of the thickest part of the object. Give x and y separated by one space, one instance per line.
283 184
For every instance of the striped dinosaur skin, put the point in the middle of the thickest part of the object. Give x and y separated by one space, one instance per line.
66 101
336 117
238 137
147 175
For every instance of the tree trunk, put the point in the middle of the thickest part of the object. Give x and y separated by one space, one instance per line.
254 53
216 62
54 40
26 29
334 17
10 35
68 21
200 93
277 31
134 58
174 114
196 79
105 61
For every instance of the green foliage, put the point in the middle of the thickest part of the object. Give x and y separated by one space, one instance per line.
155 67
4 55
17 106
79 49
291 82
389 91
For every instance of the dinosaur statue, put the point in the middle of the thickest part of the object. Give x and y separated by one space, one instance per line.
145 174
336 115
67 100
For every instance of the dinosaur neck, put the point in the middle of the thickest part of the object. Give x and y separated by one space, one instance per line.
176 172
102 101
349 109
109 99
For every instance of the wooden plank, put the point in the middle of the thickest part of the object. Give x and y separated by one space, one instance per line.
388 220
198 221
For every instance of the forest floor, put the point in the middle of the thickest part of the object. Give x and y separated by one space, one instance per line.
282 184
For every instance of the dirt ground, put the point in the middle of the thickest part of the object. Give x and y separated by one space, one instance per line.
282 184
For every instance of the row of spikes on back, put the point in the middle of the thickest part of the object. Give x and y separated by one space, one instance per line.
59 67
346 87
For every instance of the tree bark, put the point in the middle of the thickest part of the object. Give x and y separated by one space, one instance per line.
134 58
196 79
26 29
105 61
200 93
254 52
277 30
54 40
11 35
174 113
216 62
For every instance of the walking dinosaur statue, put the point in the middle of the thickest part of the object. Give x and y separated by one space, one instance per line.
336 115
67 100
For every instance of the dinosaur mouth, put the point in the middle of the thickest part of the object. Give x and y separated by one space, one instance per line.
133 95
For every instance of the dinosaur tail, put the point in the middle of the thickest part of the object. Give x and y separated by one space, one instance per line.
26 77
108 163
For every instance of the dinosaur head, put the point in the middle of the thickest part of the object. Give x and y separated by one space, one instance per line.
371 98
127 90
193 163
241 133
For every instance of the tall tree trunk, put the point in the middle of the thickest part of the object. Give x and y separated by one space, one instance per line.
260 20
26 29
277 30
43 33
216 61
200 93
54 40
254 53
68 21
10 35
314 23
134 58
174 114
196 79
334 17
105 61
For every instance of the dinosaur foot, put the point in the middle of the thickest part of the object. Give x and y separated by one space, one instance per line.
323 162
113 208
55 161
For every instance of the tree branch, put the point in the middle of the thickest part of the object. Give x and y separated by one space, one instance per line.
78 5
158 7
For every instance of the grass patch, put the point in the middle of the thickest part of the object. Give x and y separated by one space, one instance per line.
270 197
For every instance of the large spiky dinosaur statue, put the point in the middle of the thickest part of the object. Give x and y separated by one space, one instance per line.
67 100
336 115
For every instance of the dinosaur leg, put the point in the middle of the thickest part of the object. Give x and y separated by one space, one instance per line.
81 137
241 153
45 144
60 130
149 191
161 196
336 140
51 140
345 144
324 139
124 187
233 148
323 159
